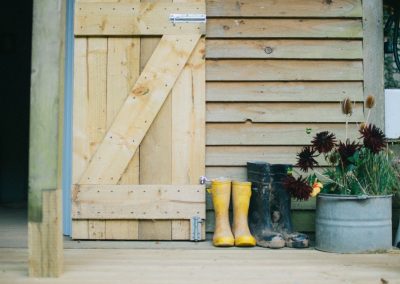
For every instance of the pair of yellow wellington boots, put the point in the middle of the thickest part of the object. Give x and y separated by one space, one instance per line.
221 194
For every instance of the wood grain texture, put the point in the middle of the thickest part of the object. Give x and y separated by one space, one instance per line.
284 91
137 264
374 58
81 153
46 116
156 155
284 28
287 49
97 229
180 230
240 155
135 19
155 230
280 112
97 91
272 133
188 120
139 110
80 230
45 240
123 67
122 230
284 8
138 201
283 70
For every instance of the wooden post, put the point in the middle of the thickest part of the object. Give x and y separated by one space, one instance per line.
374 58
45 241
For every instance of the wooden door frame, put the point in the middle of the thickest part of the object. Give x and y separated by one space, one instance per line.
46 128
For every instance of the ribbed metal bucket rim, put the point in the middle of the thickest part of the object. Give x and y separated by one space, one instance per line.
351 197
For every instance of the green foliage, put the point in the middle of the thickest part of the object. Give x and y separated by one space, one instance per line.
366 173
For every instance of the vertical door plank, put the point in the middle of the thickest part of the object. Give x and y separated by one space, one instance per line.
97 229
97 103
155 150
180 230
81 149
97 91
122 229
80 229
89 105
188 121
155 230
188 128
122 73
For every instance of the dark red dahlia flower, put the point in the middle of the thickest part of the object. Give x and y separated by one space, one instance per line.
324 142
299 188
347 150
373 138
305 159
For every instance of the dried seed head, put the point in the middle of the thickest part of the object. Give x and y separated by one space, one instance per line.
347 108
370 101
362 126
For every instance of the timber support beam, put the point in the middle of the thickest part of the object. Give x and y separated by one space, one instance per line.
45 241
374 58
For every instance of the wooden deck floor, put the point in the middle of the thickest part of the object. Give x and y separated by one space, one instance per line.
186 262
208 266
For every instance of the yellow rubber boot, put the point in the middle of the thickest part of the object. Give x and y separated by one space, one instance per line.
221 195
241 192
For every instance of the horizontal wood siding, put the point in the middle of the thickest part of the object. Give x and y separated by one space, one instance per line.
276 73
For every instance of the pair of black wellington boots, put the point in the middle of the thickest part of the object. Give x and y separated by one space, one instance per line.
269 213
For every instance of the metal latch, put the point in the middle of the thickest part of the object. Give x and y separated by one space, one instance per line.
187 18
195 228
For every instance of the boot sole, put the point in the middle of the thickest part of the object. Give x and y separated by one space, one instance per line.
271 245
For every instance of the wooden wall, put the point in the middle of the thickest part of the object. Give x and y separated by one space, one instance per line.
275 69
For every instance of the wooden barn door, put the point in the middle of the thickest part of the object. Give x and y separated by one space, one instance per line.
139 120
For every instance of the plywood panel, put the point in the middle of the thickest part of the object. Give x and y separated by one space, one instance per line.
288 49
280 112
284 8
284 91
138 201
272 133
283 70
284 28
135 18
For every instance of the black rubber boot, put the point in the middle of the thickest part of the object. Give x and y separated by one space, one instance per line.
260 223
280 203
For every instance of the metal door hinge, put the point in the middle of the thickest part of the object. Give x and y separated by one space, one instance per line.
195 229
187 18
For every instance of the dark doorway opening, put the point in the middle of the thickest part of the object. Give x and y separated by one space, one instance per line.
15 71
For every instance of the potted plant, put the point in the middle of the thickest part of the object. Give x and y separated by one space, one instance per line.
354 193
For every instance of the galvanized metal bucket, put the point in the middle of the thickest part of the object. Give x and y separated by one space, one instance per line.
353 224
